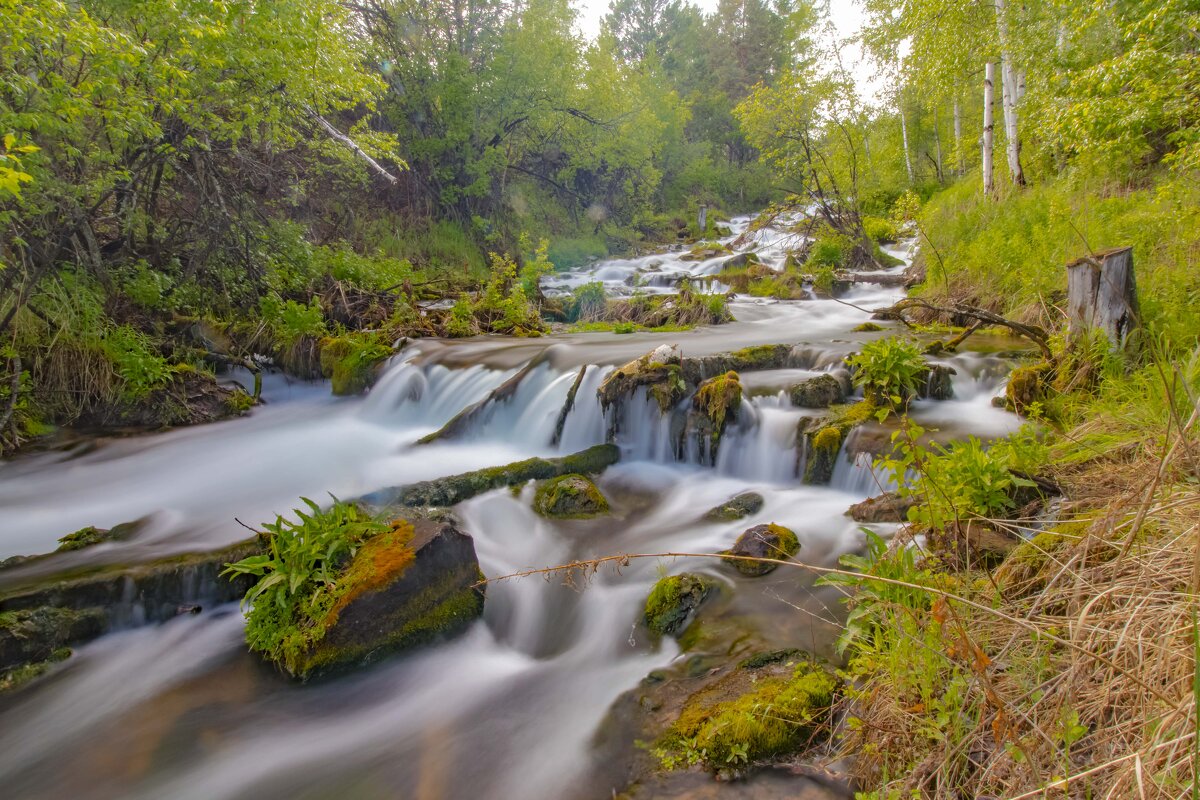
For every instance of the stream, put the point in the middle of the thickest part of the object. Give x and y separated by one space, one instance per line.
512 708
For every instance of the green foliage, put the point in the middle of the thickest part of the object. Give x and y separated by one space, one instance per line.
587 302
140 368
290 320
349 361
534 268
889 370
880 230
298 575
962 481
571 252
829 251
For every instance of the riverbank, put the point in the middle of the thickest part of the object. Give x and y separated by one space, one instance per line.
1068 667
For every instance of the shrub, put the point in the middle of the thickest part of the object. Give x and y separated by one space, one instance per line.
880 230
587 302
290 320
140 368
830 250
890 371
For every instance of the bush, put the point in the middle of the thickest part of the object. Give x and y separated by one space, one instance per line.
290 320
587 303
890 371
880 230
830 251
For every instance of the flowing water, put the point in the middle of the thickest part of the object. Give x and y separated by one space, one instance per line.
513 707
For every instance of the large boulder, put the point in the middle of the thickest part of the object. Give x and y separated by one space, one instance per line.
569 497
819 392
735 508
673 600
659 371
417 582
762 541
887 507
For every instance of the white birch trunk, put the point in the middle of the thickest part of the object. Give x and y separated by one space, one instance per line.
989 101
904 136
937 144
1012 89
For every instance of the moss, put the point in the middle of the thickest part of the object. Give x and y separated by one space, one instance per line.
1027 385
378 563
782 713
763 356
349 361
828 439
20 675
673 599
762 541
84 537
664 382
569 497
239 402
867 327
456 488
719 399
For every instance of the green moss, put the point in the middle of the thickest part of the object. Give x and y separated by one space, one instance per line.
763 356
349 361
825 443
673 599
719 399
781 714
569 497
18 676
762 541
867 327
828 438
239 402
1028 385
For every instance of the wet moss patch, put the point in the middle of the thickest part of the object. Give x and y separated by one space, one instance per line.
762 541
569 497
673 599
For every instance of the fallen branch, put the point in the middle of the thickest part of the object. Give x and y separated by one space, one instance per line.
350 143
1031 332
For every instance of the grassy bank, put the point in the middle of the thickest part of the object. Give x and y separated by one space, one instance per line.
1067 665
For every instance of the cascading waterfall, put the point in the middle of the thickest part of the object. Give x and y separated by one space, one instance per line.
511 707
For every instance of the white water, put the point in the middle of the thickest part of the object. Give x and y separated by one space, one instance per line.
510 708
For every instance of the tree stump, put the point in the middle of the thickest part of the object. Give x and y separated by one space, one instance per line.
702 219
1101 293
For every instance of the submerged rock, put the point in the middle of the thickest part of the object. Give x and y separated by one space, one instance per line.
415 583
938 383
569 497
722 724
819 392
673 599
743 505
762 541
36 635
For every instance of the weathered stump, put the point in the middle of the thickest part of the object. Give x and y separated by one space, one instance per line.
702 219
1102 294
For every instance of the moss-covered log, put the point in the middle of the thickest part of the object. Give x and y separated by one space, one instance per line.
456 488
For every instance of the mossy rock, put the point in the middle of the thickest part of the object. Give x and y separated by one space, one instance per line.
455 488
660 372
752 714
34 635
887 507
762 541
569 497
867 327
91 535
716 402
1028 385
938 383
415 583
819 392
823 442
673 599
743 505
352 362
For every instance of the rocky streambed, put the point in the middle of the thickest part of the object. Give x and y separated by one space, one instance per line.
638 676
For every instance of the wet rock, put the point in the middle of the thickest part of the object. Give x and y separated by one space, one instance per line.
743 505
673 600
822 439
819 392
414 584
91 535
716 403
34 635
569 497
705 250
889 507
456 488
762 541
938 384
660 372
147 592
867 327
741 261
461 422
1028 385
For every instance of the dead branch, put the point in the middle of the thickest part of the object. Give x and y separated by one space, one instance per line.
1031 332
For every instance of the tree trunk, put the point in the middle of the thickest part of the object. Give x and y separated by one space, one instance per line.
904 136
1101 293
702 219
961 157
1011 87
937 144
989 101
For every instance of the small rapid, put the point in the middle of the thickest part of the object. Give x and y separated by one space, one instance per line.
512 707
